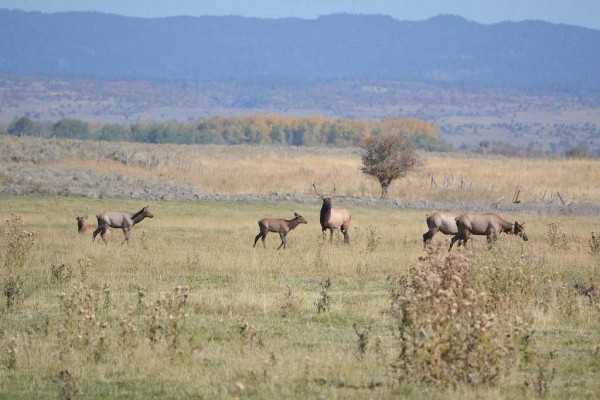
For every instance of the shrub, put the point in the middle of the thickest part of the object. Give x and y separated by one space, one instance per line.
17 242
323 302
446 334
557 239
594 243
580 151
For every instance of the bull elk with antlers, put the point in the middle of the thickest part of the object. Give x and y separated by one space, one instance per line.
279 225
332 218
120 219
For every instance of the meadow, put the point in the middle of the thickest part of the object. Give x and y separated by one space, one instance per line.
111 169
190 310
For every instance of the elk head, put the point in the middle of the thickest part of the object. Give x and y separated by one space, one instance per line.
80 220
147 214
327 201
300 218
519 230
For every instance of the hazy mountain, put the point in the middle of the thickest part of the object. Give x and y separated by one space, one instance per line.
446 49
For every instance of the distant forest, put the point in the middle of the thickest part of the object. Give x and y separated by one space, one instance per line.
254 129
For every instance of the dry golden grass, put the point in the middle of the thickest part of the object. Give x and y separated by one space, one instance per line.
251 328
500 176
245 170
217 169
262 170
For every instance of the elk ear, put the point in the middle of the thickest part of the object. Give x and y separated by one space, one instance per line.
296 214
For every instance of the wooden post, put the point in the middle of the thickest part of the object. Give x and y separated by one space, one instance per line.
561 199
516 195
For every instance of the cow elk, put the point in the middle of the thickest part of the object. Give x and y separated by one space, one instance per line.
279 225
489 224
333 218
438 221
120 219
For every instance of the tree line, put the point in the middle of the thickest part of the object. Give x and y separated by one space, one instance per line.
251 129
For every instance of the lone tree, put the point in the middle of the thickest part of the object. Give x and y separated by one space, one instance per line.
388 158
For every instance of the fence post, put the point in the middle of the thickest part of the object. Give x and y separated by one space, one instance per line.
561 199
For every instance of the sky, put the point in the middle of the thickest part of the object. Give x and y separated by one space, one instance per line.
585 13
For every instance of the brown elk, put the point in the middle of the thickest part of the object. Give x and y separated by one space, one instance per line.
279 225
82 227
85 228
332 218
120 219
489 224
438 221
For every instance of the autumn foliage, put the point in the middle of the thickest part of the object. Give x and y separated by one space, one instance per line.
250 129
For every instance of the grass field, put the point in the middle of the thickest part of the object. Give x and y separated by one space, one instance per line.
190 310
109 169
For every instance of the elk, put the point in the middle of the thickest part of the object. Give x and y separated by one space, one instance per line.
332 218
120 219
84 228
279 225
488 224
438 221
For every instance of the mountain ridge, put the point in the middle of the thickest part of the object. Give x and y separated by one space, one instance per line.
444 49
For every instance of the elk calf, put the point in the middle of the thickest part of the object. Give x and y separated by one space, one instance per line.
332 218
440 222
490 225
120 219
279 225
84 228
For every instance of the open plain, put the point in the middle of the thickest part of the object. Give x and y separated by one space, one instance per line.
190 310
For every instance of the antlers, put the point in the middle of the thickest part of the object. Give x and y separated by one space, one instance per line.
319 194
333 195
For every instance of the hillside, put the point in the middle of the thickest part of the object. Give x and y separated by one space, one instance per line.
510 88
446 49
